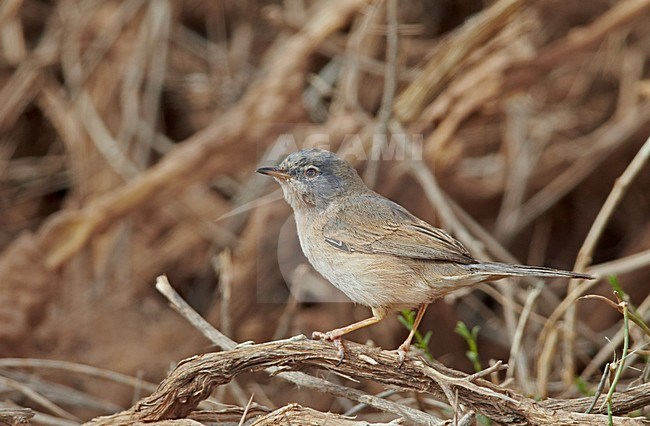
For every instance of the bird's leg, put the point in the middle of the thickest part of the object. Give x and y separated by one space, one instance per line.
404 347
335 335
377 316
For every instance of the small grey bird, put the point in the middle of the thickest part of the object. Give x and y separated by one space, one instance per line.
374 250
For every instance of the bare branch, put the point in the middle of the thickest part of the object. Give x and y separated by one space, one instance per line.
194 379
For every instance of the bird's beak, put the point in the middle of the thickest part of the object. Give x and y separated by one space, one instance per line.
275 172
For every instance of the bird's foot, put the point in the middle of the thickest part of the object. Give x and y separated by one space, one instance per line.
319 335
401 353
334 338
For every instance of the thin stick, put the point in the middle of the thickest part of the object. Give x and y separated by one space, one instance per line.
608 208
77 368
224 264
517 343
586 251
357 408
623 265
297 378
599 389
388 95
248 406
286 318
598 359
545 361
621 363
182 307
497 366
38 398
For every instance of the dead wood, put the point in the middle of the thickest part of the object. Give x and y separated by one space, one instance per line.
15 416
296 414
195 378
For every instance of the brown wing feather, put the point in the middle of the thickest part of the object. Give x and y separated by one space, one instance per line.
388 228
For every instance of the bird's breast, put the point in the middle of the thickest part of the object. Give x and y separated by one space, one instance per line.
374 280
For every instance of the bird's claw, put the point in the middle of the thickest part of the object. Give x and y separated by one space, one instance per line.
319 335
334 339
401 354
341 350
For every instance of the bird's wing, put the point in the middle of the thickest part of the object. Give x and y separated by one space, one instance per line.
372 224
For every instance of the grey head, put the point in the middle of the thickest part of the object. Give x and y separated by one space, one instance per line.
314 178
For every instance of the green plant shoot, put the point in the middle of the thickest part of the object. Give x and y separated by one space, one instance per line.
471 338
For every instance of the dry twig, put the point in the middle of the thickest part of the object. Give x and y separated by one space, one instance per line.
194 379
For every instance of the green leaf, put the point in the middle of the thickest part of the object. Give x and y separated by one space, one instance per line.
616 285
471 338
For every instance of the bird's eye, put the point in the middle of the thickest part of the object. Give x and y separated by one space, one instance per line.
311 172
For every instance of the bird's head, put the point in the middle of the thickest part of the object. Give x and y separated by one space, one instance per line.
314 178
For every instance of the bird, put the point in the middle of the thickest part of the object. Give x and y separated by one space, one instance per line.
374 250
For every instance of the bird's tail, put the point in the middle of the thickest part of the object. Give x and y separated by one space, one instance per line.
506 269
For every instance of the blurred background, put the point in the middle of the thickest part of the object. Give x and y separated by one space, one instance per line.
130 131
